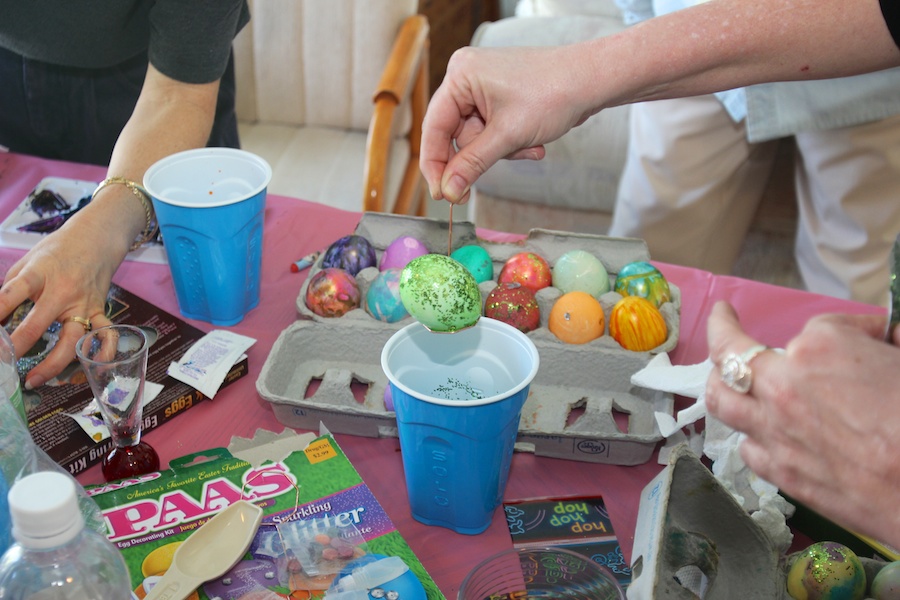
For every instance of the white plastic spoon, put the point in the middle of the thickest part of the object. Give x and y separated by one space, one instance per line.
209 552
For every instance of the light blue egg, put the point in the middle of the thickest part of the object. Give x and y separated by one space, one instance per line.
886 583
383 298
580 271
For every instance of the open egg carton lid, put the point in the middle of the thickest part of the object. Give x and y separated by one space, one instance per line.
581 405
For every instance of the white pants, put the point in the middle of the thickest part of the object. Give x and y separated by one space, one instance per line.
692 183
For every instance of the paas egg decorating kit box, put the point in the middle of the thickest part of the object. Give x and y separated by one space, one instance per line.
320 521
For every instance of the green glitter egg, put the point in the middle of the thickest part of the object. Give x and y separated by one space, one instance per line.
440 293
827 571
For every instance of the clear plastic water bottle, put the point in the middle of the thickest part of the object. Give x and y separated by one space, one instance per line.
55 556
5 524
10 385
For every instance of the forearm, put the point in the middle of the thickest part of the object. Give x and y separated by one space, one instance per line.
169 117
725 44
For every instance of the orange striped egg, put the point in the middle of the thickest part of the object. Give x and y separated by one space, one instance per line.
637 324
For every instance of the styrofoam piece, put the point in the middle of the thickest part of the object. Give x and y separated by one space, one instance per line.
575 400
308 350
693 539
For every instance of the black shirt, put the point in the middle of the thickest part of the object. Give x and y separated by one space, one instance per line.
187 41
891 11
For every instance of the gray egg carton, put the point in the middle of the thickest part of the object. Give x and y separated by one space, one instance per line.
581 405
693 539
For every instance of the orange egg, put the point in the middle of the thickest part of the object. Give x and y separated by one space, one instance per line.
576 318
637 324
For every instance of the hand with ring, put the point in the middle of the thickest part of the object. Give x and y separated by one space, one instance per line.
822 419
67 275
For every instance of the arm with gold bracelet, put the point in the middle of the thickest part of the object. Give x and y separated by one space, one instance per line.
68 273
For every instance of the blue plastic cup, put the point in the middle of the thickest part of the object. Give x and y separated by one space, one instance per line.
458 398
209 203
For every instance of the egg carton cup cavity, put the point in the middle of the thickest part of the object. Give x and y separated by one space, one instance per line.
580 406
381 229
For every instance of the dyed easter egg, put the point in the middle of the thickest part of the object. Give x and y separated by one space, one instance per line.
528 269
332 293
388 399
827 571
580 271
637 324
402 250
514 305
576 318
383 298
440 293
643 279
476 259
886 583
352 253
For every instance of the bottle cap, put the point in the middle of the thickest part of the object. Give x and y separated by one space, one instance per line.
44 510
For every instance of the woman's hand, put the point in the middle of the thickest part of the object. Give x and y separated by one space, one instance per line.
67 274
493 104
823 419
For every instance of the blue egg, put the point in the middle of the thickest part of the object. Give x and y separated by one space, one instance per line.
383 298
643 279
477 260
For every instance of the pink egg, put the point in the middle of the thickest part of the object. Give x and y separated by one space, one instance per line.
401 251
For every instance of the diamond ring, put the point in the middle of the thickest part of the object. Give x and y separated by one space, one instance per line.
736 372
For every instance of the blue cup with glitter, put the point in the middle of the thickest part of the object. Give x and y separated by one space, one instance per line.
458 399
209 203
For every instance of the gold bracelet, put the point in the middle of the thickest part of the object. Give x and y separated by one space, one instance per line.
149 231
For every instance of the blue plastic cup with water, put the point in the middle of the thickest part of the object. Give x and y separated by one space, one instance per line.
458 398
209 203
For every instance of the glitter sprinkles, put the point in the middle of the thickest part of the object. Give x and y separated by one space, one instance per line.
455 389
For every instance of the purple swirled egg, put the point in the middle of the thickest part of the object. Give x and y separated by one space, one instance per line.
383 298
402 250
352 253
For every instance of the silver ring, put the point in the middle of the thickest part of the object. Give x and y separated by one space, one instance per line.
736 372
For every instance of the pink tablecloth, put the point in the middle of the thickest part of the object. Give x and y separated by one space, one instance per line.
293 228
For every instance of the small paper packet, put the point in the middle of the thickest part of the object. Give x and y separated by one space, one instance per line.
206 364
